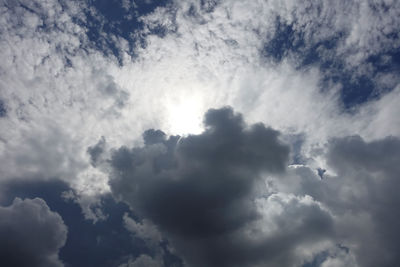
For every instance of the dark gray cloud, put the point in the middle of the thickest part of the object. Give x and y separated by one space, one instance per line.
198 185
360 188
96 151
200 191
110 89
366 186
31 234
3 110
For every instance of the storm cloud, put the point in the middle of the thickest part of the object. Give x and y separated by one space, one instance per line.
359 189
366 186
205 194
31 234
198 185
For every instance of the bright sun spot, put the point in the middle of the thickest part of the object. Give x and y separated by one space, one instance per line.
186 115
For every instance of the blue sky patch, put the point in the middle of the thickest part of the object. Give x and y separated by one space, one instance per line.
356 88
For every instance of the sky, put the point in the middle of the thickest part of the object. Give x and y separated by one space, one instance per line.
218 133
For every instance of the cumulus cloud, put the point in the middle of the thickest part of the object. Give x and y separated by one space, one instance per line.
359 191
368 175
207 177
203 193
31 234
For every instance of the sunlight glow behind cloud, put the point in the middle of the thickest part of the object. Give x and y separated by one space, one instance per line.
92 91
185 115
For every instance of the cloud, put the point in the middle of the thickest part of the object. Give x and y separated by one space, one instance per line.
53 78
359 190
102 243
368 31
144 230
31 234
96 151
204 193
188 175
349 41
3 110
142 261
72 73
338 257
367 175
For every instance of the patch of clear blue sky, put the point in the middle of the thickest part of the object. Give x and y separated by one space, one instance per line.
112 18
356 89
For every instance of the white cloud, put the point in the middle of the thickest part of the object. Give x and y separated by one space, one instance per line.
213 63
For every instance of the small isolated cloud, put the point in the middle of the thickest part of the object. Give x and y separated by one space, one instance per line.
31 234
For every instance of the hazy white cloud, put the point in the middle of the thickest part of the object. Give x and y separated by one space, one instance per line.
206 59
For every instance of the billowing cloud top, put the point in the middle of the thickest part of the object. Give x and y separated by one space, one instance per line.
202 191
200 185
31 234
